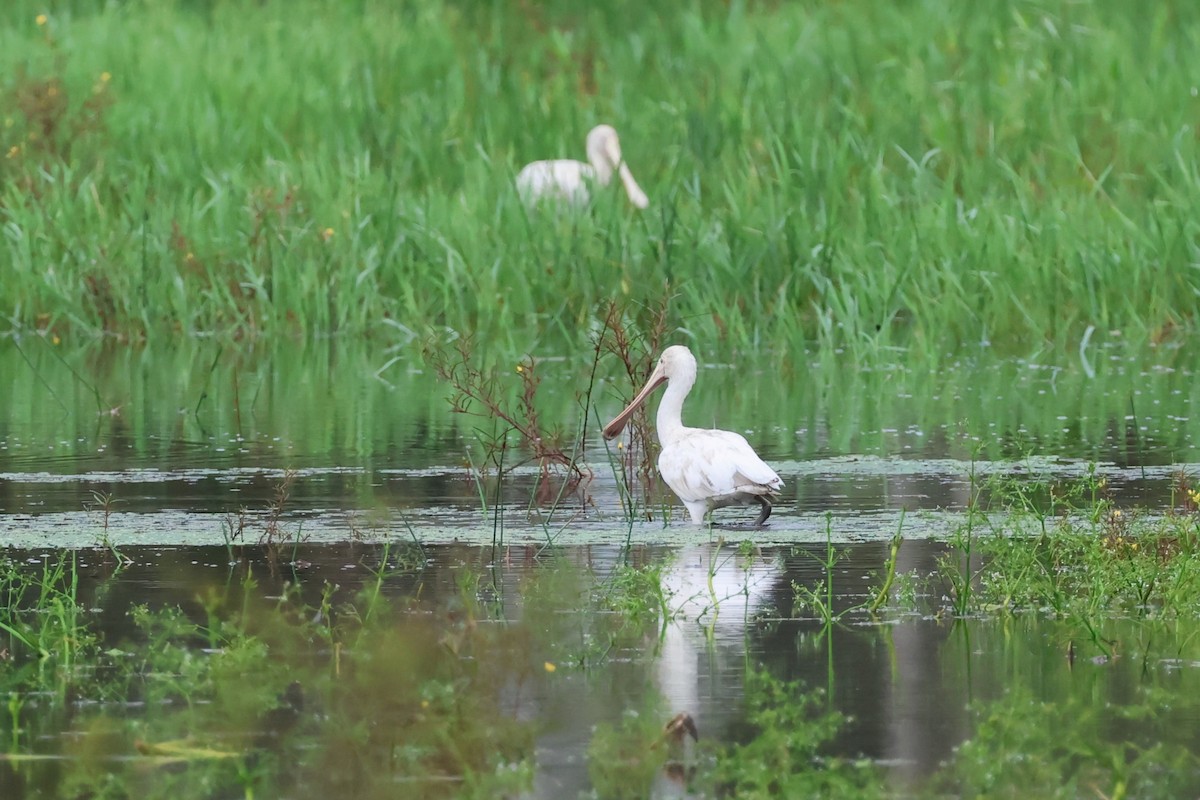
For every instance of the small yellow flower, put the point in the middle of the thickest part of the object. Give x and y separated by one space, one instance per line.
327 234
1194 494
41 19
550 666
620 445
54 339
189 258
424 704
520 368
105 77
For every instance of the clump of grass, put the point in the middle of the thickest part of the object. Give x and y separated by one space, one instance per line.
581 619
626 758
103 505
635 337
1013 750
512 406
784 755
820 600
638 595
47 124
273 534
1087 563
42 620
478 392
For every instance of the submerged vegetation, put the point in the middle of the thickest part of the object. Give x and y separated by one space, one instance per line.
449 679
309 694
1014 749
229 700
832 174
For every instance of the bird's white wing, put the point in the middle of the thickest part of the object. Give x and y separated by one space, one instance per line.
562 179
705 464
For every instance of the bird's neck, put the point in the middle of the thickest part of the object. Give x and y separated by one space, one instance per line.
602 168
670 410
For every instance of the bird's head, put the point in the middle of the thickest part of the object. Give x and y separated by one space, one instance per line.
675 362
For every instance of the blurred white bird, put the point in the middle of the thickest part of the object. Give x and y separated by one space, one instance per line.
707 468
567 180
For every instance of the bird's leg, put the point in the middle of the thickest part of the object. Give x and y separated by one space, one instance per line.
766 510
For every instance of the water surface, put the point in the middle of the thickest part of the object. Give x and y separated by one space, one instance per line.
177 474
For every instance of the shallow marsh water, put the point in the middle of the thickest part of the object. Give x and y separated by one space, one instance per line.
148 478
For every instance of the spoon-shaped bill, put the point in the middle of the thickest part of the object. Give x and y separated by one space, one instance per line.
636 195
614 428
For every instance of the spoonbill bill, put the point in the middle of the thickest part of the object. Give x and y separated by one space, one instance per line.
565 179
706 468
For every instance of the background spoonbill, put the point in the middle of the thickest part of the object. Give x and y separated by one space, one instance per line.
707 468
566 179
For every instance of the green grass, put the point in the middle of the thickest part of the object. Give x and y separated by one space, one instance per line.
1013 749
784 757
1062 550
820 173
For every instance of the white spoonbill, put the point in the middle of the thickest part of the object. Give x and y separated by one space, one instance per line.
707 468
565 179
